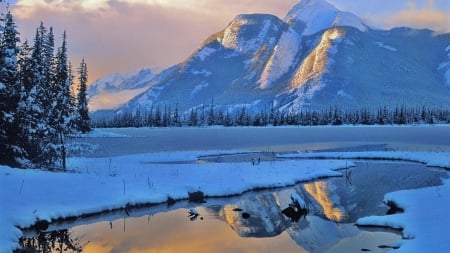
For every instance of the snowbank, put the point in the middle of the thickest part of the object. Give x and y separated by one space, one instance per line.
425 222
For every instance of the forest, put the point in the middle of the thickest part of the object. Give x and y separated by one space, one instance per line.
41 104
214 116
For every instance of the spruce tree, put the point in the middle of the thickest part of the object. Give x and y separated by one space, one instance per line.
9 91
83 121
211 114
33 105
63 107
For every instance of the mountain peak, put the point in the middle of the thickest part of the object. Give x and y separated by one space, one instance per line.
249 31
311 16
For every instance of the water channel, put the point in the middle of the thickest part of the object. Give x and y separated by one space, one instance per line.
252 222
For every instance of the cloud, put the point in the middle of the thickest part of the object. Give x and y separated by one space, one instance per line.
433 19
124 35
427 15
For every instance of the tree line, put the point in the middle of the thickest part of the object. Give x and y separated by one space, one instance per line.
211 115
40 103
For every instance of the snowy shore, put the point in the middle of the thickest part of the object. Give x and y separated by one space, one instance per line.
96 184
102 184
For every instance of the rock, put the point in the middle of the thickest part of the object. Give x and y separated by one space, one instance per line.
245 215
293 213
197 197
41 225
170 201
394 208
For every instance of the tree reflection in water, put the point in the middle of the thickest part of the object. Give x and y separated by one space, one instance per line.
53 241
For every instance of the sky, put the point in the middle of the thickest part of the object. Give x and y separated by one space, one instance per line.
126 35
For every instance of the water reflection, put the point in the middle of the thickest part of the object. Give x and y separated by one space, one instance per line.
53 241
320 192
254 222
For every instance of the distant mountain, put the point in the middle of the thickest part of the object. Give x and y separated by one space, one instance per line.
113 90
316 57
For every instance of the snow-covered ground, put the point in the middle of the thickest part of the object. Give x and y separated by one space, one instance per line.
97 184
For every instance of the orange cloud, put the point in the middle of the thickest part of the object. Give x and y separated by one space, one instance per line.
427 15
125 35
424 18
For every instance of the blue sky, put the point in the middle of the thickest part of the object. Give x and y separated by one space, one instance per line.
124 35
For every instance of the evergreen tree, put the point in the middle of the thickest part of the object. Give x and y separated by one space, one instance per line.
150 120
158 120
83 121
176 117
34 105
211 115
9 91
193 118
62 107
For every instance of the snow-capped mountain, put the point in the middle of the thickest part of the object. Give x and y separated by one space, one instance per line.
311 16
316 57
115 89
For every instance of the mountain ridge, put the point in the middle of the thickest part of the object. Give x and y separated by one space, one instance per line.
259 61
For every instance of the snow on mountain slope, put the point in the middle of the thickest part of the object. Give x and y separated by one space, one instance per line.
445 66
307 79
282 59
247 33
317 61
311 16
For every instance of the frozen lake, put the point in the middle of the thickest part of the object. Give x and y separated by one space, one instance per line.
283 139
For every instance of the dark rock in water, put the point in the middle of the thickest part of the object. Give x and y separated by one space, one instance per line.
245 215
293 213
41 225
237 209
388 247
170 201
394 208
197 197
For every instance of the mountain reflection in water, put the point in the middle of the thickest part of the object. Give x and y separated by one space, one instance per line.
319 191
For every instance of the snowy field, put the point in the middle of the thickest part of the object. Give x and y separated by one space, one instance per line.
121 167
